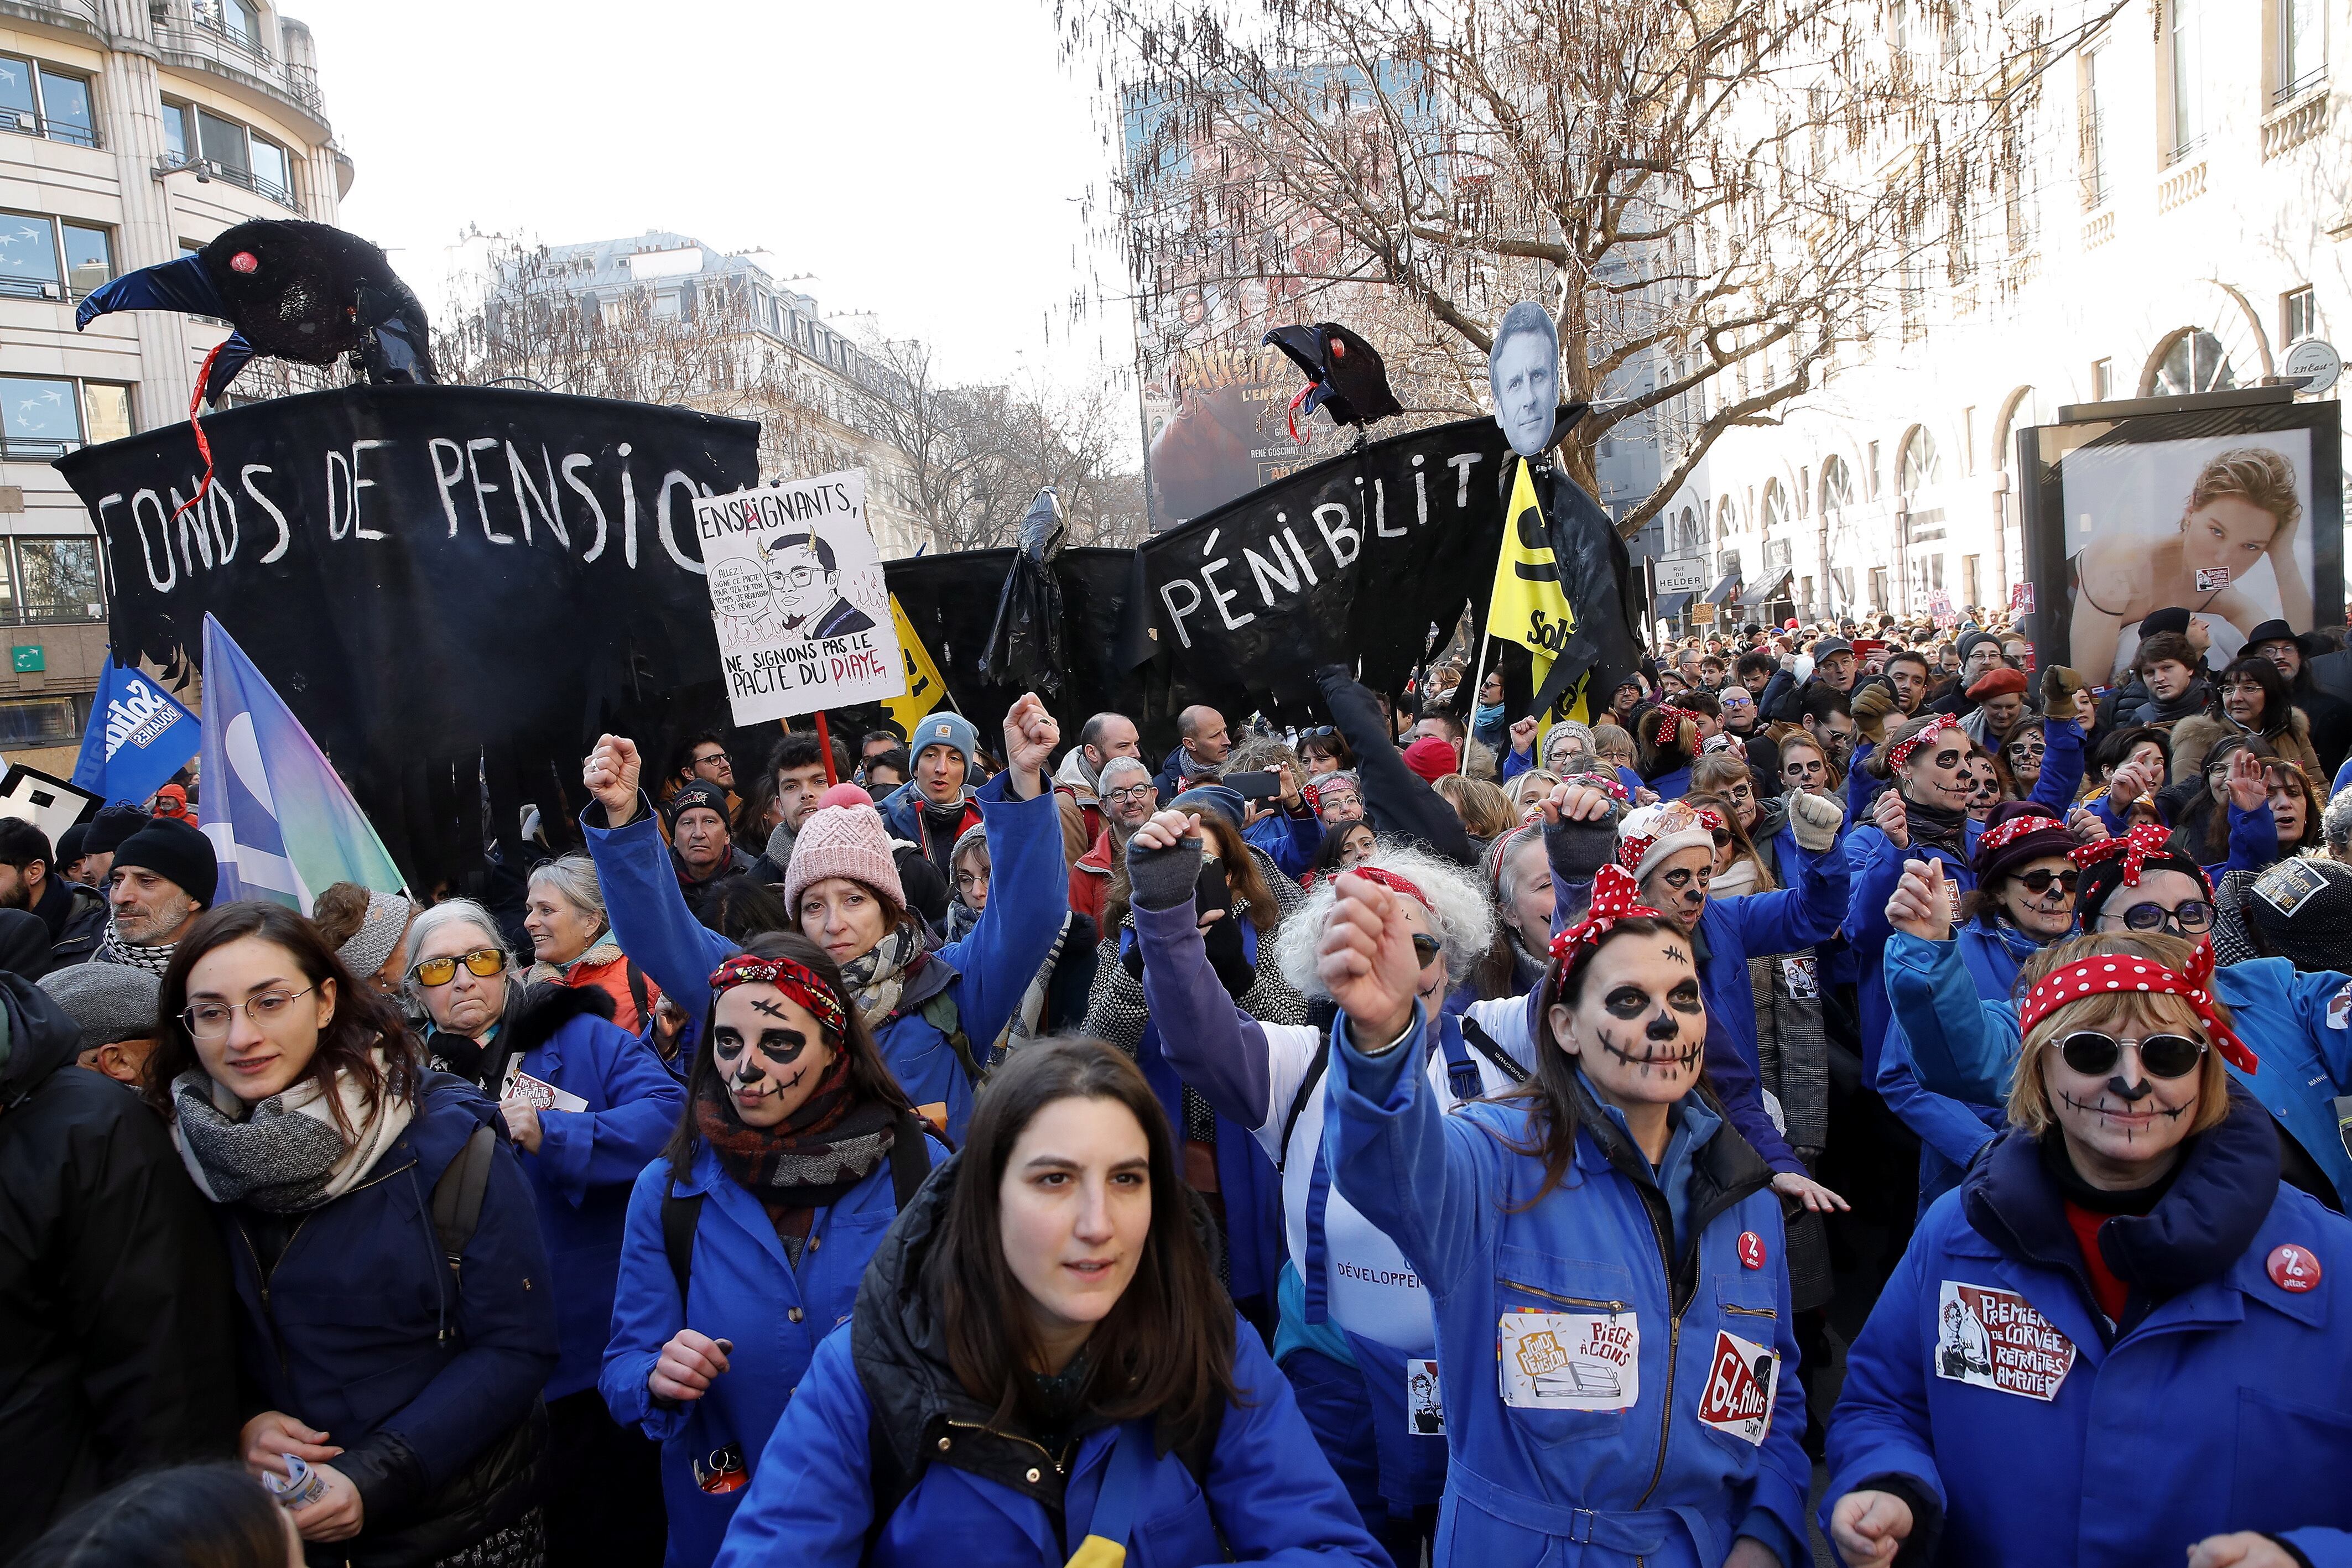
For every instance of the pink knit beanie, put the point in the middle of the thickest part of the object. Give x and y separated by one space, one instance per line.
843 841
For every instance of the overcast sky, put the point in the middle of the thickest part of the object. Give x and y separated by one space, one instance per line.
927 161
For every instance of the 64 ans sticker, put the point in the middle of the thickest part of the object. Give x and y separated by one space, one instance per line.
1994 1339
1739 1383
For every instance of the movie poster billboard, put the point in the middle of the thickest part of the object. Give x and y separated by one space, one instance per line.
2233 513
797 597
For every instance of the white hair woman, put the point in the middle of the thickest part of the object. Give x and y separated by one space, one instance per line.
572 944
587 1106
1353 1319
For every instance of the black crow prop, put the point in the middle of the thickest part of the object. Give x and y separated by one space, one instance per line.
1344 373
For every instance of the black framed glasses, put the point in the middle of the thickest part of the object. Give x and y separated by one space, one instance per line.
482 963
1143 791
2094 1055
2188 917
2037 883
211 1020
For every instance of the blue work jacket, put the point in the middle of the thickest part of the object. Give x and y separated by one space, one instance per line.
742 1286
985 975
1650 1482
2217 1408
1951 1130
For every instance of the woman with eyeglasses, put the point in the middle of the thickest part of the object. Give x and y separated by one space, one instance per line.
2022 901
1041 1368
406 1379
2254 699
587 1104
2285 994
1602 1255
2126 1338
747 1238
1353 1321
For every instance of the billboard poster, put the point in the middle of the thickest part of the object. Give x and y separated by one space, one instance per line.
1216 426
2234 513
797 597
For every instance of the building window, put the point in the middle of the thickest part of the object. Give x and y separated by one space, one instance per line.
2298 315
2103 380
2301 48
1919 468
40 418
37 100
1878 589
57 580
106 411
241 157
50 258
2185 60
2195 363
235 19
1837 490
2091 131
42 721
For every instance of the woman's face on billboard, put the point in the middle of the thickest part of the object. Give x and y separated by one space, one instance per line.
2226 531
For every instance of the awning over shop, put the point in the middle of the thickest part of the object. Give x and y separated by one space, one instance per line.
1776 585
1723 589
1671 605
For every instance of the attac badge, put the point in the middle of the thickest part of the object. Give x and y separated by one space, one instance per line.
2294 1268
1739 1384
1994 1339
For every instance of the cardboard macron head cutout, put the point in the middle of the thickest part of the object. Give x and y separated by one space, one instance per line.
1523 372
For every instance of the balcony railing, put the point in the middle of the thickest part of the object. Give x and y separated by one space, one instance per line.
32 289
25 449
197 42
244 178
24 122
2288 92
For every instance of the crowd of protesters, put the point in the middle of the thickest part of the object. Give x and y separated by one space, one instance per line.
1853 1084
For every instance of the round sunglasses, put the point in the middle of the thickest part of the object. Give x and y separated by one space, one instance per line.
2094 1055
2190 917
482 962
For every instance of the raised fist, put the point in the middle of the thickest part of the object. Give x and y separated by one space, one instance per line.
612 773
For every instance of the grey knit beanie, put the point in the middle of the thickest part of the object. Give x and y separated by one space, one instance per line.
108 1001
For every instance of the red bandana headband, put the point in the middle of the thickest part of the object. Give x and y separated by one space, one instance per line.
2109 972
1615 896
1902 750
796 981
2146 841
1396 884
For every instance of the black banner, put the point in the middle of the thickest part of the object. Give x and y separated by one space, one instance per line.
430 575
1354 560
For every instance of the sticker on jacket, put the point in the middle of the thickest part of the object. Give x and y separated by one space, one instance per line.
1739 1384
2339 1008
1996 1340
1424 1404
522 1088
1570 1361
1797 975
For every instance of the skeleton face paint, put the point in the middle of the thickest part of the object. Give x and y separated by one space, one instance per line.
2123 1130
1639 1027
770 1049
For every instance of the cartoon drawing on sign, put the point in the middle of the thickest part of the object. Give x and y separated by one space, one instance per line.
1963 1347
806 587
1523 373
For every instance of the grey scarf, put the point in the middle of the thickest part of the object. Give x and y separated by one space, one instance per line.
285 1155
877 976
780 845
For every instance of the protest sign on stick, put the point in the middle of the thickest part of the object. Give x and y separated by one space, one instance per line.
797 597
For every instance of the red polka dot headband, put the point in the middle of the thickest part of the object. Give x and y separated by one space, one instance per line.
2106 973
2146 841
2002 835
1900 753
796 981
1615 896
1396 884
1670 724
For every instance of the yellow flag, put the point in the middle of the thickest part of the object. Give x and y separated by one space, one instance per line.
1529 606
924 687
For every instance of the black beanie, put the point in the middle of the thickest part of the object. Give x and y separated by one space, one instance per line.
2171 618
177 852
72 845
111 827
2302 908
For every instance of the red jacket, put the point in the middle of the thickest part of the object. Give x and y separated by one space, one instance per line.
1090 881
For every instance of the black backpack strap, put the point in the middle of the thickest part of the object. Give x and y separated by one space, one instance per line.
680 1217
458 1196
1484 1044
1307 1086
911 1157
637 992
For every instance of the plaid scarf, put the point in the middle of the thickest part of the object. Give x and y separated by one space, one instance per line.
812 1158
876 977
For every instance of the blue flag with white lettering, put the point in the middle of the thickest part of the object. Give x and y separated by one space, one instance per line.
137 737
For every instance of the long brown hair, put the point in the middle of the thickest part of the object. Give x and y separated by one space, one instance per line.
1552 1090
365 1020
869 1076
1166 1348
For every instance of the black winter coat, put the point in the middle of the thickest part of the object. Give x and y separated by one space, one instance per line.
115 1310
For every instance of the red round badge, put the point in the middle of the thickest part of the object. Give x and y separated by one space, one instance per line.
1751 1251
243 261
2294 1268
